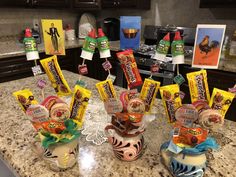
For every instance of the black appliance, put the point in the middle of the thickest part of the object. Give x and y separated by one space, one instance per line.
111 27
217 4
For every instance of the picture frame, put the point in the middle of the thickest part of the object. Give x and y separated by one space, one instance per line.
207 47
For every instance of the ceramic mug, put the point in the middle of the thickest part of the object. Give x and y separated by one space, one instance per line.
125 148
183 164
61 155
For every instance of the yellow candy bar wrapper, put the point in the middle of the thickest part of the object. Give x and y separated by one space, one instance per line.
221 100
55 75
198 86
149 92
106 90
171 100
25 98
79 103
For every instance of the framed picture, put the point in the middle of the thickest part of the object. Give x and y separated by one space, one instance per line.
53 36
207 47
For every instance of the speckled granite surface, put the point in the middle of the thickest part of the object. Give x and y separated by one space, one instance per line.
16 136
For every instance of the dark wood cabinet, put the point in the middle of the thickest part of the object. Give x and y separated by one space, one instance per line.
216 79
51 3
137 4
87 4
16 3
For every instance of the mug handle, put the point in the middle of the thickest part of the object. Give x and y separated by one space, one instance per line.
107 128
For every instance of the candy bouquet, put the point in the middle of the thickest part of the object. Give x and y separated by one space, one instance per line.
184 155
58 124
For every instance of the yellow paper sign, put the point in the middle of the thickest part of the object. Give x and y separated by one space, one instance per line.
53 36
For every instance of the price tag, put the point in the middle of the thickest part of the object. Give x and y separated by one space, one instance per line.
106 65
83 70
37 70
41 83
111 77
179 79
154 68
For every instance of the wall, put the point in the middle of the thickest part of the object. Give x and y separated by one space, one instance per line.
13 21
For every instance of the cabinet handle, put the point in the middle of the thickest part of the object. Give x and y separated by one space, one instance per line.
35 1
118 3
114 3
27 1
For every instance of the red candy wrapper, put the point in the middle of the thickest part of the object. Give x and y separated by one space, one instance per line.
130 68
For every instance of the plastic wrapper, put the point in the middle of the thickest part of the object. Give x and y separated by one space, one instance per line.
25 98
106 90
55 75
136 105
149 92
221 100
79 103
53 126
126 96
198 86
171 100
130 68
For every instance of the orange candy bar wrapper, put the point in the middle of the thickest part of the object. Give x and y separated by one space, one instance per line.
79 103
25 98
55 75
133 117
149 92
189 137
198 86
171 100
106 90
130 68
221 100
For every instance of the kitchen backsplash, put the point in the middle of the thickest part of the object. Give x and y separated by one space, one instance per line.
13 21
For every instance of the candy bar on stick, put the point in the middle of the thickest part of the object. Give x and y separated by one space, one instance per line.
106 90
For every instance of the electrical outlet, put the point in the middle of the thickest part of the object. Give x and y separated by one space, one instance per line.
35 24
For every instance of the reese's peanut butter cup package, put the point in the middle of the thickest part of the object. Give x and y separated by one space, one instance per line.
171 100
149 92
79 103
25 98
198 86
106 90
130 68
221 100
55 75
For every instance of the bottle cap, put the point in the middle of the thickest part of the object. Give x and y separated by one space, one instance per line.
28 32
177 36
167 37
100 32
92 34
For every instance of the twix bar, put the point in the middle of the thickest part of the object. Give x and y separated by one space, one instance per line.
106 90
55 75
149 92
198 86
171 100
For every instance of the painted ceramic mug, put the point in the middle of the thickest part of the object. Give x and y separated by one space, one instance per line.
183 164
125 148
62 155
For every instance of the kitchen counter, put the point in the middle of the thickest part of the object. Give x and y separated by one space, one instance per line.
17 135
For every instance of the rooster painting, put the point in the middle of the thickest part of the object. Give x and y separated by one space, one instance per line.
205 46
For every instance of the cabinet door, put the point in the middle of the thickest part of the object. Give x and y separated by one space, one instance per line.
51 3
127 3
137 4
94 4
16 3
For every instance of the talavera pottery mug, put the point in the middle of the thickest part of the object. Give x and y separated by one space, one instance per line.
126 148
183 164
60 156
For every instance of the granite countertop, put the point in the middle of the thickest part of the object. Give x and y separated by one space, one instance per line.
16 137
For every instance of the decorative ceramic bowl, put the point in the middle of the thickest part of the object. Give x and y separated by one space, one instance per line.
182 164
130 32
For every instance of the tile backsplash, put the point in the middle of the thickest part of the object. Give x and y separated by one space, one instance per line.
13 21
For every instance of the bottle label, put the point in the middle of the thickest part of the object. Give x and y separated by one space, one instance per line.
89 44
177 48
163 47
103 44
30 45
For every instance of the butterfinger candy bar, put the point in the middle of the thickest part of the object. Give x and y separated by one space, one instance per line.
55 75
171 100
198 86
149 92
25 98
106 90
221 100
130 68
79 103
